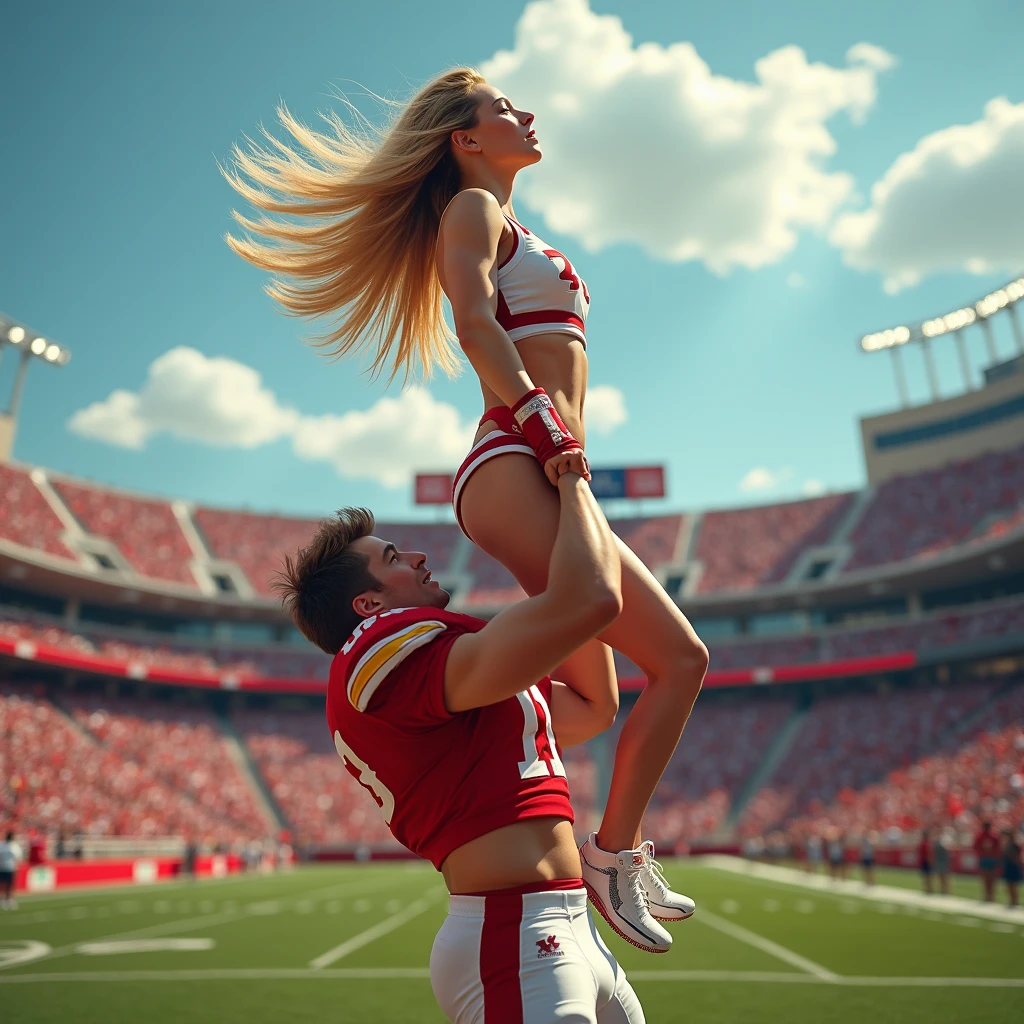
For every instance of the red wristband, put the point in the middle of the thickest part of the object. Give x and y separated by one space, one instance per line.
542 427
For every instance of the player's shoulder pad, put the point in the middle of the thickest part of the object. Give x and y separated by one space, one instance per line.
380 643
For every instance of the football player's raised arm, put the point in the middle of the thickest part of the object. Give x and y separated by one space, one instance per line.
528 641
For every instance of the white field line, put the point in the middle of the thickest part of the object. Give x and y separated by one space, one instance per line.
422 973
765 945
389 924
874 893
224 917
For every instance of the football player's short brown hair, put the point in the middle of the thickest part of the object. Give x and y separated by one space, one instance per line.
318 586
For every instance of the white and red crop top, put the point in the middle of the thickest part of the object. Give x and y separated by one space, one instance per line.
539 292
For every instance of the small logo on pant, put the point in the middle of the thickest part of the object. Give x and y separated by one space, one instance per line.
548 947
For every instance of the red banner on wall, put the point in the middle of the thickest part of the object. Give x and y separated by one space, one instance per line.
433 488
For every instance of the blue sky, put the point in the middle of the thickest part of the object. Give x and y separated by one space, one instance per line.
114 212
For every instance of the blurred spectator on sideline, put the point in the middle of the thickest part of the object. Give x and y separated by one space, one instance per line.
925 860
189 863
940 857
60 852
867 857
836 856
813 853
1012 871
10 857
36 849
988 848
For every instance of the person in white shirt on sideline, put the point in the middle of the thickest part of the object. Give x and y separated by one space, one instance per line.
10 857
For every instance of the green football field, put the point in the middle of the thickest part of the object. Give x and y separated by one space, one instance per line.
352 944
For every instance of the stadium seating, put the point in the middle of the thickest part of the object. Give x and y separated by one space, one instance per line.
57 778
258 543
25 515
922 514
181 746
848 741
493 585
654 539
318 796
791 650
145 531
974 777
742 549
721 746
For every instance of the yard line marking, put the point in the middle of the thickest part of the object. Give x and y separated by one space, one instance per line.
422 973
145 946
226 974
765 945
209 920
880 894
389 924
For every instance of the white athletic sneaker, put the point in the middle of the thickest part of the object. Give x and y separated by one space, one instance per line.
665 905
613 882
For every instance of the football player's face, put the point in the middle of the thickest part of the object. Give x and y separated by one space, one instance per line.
403 575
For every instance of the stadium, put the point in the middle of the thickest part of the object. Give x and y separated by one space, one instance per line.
866 684
774 332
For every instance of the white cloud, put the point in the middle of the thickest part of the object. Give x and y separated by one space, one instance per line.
216 401
949 204
794 279
224 403
605 408
761 479
644 144
870 55
813 488
390 440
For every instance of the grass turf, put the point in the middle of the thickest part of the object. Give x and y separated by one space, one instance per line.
756 951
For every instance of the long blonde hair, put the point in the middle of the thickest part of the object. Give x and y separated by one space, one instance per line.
356 228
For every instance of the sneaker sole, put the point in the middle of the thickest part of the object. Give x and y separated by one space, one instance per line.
599 907
684 917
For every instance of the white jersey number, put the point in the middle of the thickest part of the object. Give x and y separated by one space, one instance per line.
540 754
367 778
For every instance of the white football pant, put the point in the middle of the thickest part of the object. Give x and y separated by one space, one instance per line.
528 958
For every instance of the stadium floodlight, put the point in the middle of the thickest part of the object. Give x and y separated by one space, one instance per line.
885 339
17 336
950 322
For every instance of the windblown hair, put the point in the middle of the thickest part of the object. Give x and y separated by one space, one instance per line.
354 214
318 586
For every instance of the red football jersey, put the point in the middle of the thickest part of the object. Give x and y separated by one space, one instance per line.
440 779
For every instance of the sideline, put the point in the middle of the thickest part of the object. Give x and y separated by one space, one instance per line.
875 893
735 931
422 973
389 924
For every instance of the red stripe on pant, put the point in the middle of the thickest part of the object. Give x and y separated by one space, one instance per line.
499 960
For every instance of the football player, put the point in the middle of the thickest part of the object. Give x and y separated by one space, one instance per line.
453 726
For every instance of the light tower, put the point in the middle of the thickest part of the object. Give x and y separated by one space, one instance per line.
31 345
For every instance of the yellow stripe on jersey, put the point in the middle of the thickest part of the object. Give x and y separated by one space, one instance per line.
386 655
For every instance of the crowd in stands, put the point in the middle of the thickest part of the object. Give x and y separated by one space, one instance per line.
924 513
145 531
848 741
888 763
255 542
57 778
316 793
745 548
721 746
181 746
25 515
301 661
912 516
284 662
